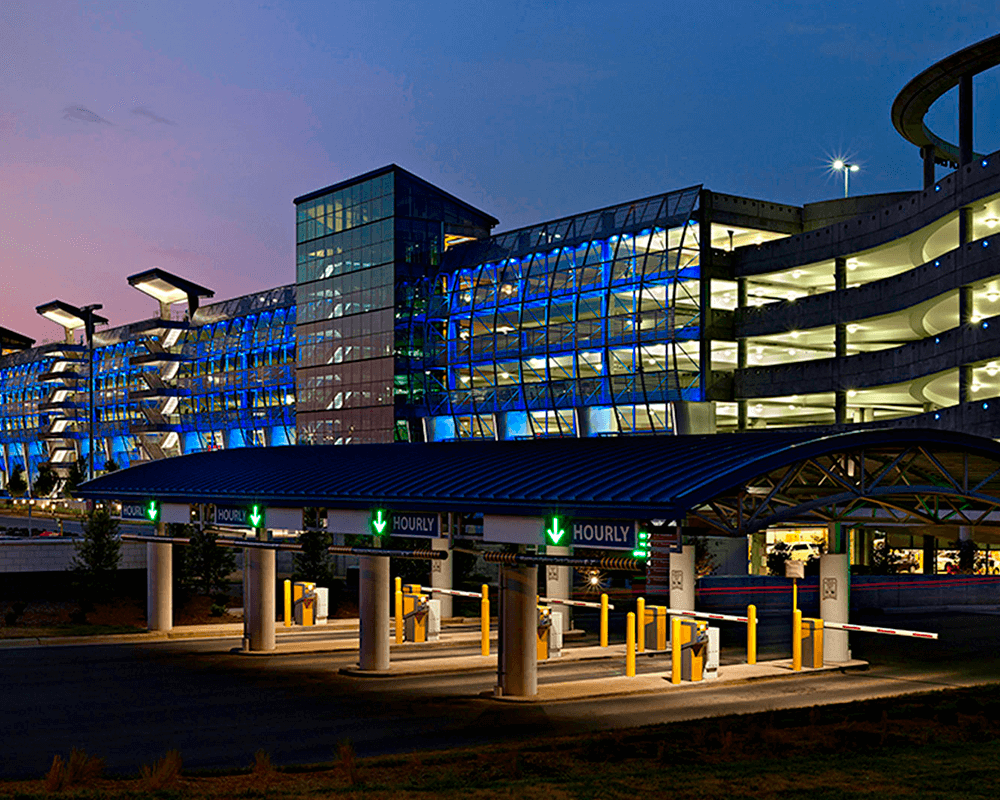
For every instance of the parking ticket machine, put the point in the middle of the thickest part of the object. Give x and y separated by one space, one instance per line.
304 603
654 628
694 647
812 642
421 615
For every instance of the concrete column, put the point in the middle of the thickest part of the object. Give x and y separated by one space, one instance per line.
927 153
442 576
262 620
930 555
840 274
159 584
965 232
965 120
517 665
682 579
835 603
374 611
559 583
840 406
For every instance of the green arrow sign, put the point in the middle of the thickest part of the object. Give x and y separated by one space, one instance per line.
153 510
379 521
255 516
555 532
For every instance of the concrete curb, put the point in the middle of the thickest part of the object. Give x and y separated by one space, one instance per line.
658 683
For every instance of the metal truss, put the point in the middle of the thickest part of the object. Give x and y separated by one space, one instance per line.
908 485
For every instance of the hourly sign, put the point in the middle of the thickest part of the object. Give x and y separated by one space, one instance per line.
605 534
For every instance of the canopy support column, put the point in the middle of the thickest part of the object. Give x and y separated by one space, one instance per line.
517 663
374 611
159 584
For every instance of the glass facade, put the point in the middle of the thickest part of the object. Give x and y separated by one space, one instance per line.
363 251
344 284
583 326
162 387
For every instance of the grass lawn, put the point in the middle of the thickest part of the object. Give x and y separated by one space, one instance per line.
935 745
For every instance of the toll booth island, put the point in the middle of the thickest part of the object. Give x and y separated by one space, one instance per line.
529 492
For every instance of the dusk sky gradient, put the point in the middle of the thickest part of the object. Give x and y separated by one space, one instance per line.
176 134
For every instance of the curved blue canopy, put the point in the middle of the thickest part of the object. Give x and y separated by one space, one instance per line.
640 477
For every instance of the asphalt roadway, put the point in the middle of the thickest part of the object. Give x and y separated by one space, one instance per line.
131 703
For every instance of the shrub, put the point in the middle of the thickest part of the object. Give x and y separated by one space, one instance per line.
164 774
79 769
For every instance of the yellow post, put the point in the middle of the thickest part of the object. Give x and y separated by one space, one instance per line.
795 595
797 640
484 620
288 603
399 613
604 620
399 584
630 645
751 634
675 650
640 616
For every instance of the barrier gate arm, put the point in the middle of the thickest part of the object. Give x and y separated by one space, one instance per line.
558 601
451 592
843 626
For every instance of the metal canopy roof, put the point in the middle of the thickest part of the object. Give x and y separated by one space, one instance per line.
644 477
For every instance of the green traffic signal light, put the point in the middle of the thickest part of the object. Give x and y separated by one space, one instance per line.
256 516
642 546
380 521
153 511
554 530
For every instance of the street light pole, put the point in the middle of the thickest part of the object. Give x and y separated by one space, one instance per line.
842 166
89 330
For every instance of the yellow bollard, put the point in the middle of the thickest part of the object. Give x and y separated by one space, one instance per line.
675 650
751 634
795 594
484 620
604 620
640 615
288 603
630 645
797 640
399 614
399 584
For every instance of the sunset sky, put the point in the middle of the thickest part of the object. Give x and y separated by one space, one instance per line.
176 134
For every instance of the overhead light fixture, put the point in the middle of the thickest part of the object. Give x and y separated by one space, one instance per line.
991 222
853 328
797 273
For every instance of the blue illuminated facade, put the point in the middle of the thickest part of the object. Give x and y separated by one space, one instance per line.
162 387
583 326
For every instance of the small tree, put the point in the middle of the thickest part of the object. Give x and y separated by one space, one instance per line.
313 563
77 475
16 484
97 555
206 565
45 481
